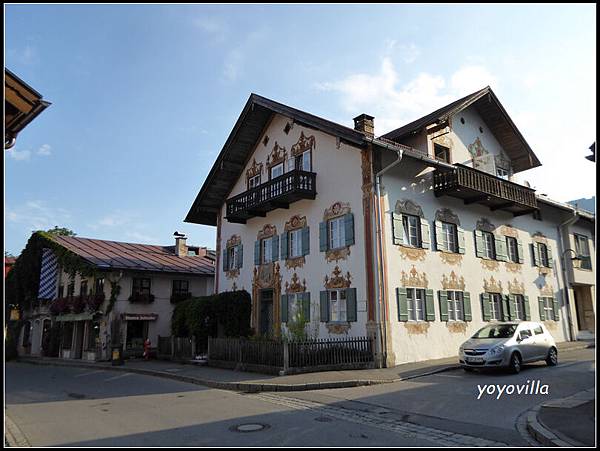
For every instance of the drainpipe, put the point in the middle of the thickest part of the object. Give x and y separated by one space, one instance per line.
381 305
566 283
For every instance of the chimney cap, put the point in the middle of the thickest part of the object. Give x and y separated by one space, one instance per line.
179 235
363 116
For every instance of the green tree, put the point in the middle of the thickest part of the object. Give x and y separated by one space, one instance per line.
63 231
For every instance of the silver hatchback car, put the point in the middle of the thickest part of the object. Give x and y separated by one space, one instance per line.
508 345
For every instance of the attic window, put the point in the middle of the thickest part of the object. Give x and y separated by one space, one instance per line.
287 128
266 140
462 120
480 129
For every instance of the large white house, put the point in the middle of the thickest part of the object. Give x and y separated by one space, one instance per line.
417 238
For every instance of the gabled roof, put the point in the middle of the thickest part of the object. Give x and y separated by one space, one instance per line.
228 167
496 118
107 255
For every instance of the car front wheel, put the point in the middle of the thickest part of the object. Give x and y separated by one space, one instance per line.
515 363
552 359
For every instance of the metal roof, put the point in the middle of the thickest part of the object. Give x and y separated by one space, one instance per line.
106 254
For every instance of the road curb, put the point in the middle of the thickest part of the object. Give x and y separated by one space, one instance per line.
13 435
247 387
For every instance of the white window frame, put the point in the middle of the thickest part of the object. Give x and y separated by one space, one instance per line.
294 306
543 253
502 173
295 243
495 307
415 303
455 306
582 248
337 305
336 233
276 168
449 237
253 182
512 250
519 307
548 308
266 250
489 245
411 226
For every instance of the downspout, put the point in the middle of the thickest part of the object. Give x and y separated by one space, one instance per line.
381 304
566 283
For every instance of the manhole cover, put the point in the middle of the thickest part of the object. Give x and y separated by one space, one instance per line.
249 427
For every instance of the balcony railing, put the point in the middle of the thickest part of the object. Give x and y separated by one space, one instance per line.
474 186
276 193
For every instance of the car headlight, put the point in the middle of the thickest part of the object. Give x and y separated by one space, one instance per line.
496 350
461 349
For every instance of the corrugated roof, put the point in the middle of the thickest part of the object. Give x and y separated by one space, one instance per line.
106 254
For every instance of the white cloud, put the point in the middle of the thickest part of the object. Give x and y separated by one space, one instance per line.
472 78
235 59
19 155
45 150
408 52
37 215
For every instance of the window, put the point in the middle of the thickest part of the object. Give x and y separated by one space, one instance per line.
253 182
295 307
512 249
416 304
181 287
232 258
295 243
61 291
336 233
548 308
502 173
337 305
93 336
495 306
449 237
519 307
83 289
441 153
489 249
266 246
99 286
582 248
141 286
538 330
303 161
411 228
71 290
455 306
277 170
543 251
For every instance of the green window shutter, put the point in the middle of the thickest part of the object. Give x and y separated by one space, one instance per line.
324 306
438 235
500 248
349 228
275 248
467 306
521 255
541 305
284 308
550 259
429 306
402 304
512 313
351 312
323 236
305 241
240 251
555 309
479 248
306 306
257 252
443 297
225 266
425 234
505 308
485 306
535 254
461 239
397 229
283 255
526 308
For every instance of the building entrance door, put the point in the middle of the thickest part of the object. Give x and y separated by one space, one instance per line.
585 310
266 312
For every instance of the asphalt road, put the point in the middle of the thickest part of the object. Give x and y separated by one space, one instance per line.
61 406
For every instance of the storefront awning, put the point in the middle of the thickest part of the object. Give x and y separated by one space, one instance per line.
140 316
75 317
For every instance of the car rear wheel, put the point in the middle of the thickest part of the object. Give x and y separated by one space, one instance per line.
515 363
552 358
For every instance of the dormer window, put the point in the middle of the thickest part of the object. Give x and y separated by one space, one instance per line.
253 182
441 153
502 173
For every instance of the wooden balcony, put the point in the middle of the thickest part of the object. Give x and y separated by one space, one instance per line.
279 192
474 186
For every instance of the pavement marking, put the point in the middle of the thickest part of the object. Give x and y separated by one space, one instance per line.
409 430
90 373
118 377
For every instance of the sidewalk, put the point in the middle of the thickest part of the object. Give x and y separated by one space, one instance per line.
254 382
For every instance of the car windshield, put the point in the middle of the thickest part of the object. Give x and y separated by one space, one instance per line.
497 331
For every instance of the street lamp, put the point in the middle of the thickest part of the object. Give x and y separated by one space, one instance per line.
576 260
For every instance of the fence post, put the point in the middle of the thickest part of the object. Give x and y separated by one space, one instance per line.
286 357
172 347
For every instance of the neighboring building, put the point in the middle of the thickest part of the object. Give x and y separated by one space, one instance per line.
417 238
150 280
9 262
22 104
592 157
588 204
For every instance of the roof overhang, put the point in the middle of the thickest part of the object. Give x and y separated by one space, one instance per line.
238 149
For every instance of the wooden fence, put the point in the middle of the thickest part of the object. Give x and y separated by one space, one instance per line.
176 348
282 357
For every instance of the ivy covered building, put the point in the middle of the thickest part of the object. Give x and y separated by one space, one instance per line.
80 296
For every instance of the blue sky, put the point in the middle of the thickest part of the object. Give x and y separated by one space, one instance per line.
144 96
